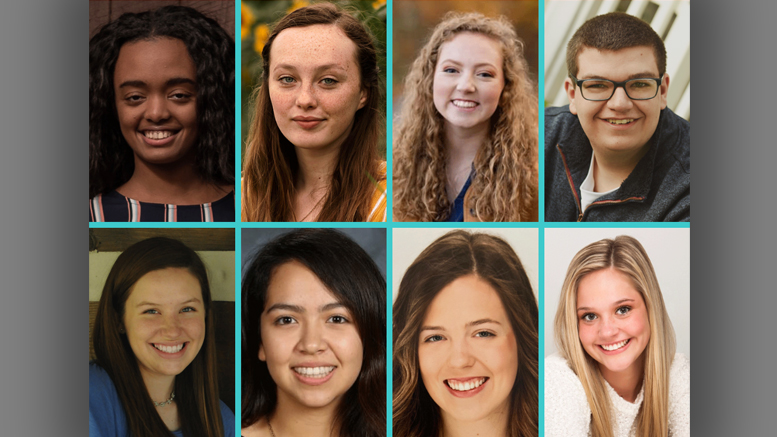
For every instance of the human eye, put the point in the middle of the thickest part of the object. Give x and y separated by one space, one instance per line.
188 310
640 83
434 338
181 96
588 317
338 319
286 80
151 311
484 334
622 311
284 320
449 70
134 99
596 84
328 81
487 74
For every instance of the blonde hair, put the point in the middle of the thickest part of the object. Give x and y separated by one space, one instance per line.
504 187
626 255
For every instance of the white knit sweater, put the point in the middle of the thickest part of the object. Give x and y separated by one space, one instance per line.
567 413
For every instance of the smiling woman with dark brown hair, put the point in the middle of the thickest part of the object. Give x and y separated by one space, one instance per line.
161 118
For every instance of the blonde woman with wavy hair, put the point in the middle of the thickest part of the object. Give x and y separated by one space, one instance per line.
466 145
617 373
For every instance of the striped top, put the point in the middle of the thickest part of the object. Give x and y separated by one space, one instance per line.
378 201
113 207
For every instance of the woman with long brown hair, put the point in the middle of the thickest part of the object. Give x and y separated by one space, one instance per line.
312 148
465 342
154 341
466 145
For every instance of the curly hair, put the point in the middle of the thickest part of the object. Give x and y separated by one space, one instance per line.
111 161
271 162
353 278
459 253
197 386
626 255
504 187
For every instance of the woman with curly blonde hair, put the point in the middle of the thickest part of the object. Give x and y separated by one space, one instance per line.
469 150
617 372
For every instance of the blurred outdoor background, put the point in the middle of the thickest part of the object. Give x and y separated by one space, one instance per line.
415 20
257 20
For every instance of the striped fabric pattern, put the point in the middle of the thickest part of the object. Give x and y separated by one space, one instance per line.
113 207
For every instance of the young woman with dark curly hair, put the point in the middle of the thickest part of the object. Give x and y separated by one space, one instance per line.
312 148
314 339
466 145
161 123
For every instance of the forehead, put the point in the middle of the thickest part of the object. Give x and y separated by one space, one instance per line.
616 64
294 283
472 47
158 57
170 285
605 287
312 46
466 299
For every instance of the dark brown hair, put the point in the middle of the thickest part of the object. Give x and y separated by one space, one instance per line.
615 31
354 279
196 387
456 254
271 161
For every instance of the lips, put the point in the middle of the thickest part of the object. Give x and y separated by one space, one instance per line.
464 104
314 372
170 349
159 137
621 121
465 387
307 122
612 347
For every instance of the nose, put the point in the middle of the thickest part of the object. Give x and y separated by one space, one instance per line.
312 340
461 355
608 328
465 84
620 101
171 326
156 109
306 97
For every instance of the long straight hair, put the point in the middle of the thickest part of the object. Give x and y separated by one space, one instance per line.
353 278
196 387
456 254
271 161
626 255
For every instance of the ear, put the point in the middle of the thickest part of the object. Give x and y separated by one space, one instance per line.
363 94
262 355
571 90
664 90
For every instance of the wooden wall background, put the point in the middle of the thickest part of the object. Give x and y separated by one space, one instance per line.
117 240
102 12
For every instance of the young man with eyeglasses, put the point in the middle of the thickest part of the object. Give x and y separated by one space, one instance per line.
616 153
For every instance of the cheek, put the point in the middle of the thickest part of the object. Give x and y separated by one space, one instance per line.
587 335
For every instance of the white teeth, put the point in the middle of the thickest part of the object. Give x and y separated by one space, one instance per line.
620 121
314 372
466 386
169 349
614 346
464 104
157 134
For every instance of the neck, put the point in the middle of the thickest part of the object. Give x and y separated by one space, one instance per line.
294 419
315 168
627 383
464 143
612 168
176 183
159 386
495 424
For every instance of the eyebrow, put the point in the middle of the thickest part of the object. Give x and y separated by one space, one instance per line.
144 303
170 82
317 68
300 309
469 324
614 304
451 61
642 75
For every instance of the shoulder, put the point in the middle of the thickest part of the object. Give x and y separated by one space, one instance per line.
566 407
378 200
680 396
256 429
675 137
560 124
106 415
228 419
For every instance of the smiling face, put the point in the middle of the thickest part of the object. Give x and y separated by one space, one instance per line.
619 124
314 85
155 87
468 80
467 353
613 323
309 339
164 318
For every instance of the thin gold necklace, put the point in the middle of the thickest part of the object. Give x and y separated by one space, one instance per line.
270 425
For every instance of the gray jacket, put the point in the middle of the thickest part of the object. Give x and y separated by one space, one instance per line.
658 189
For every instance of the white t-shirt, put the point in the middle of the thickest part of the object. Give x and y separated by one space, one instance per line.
587 193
